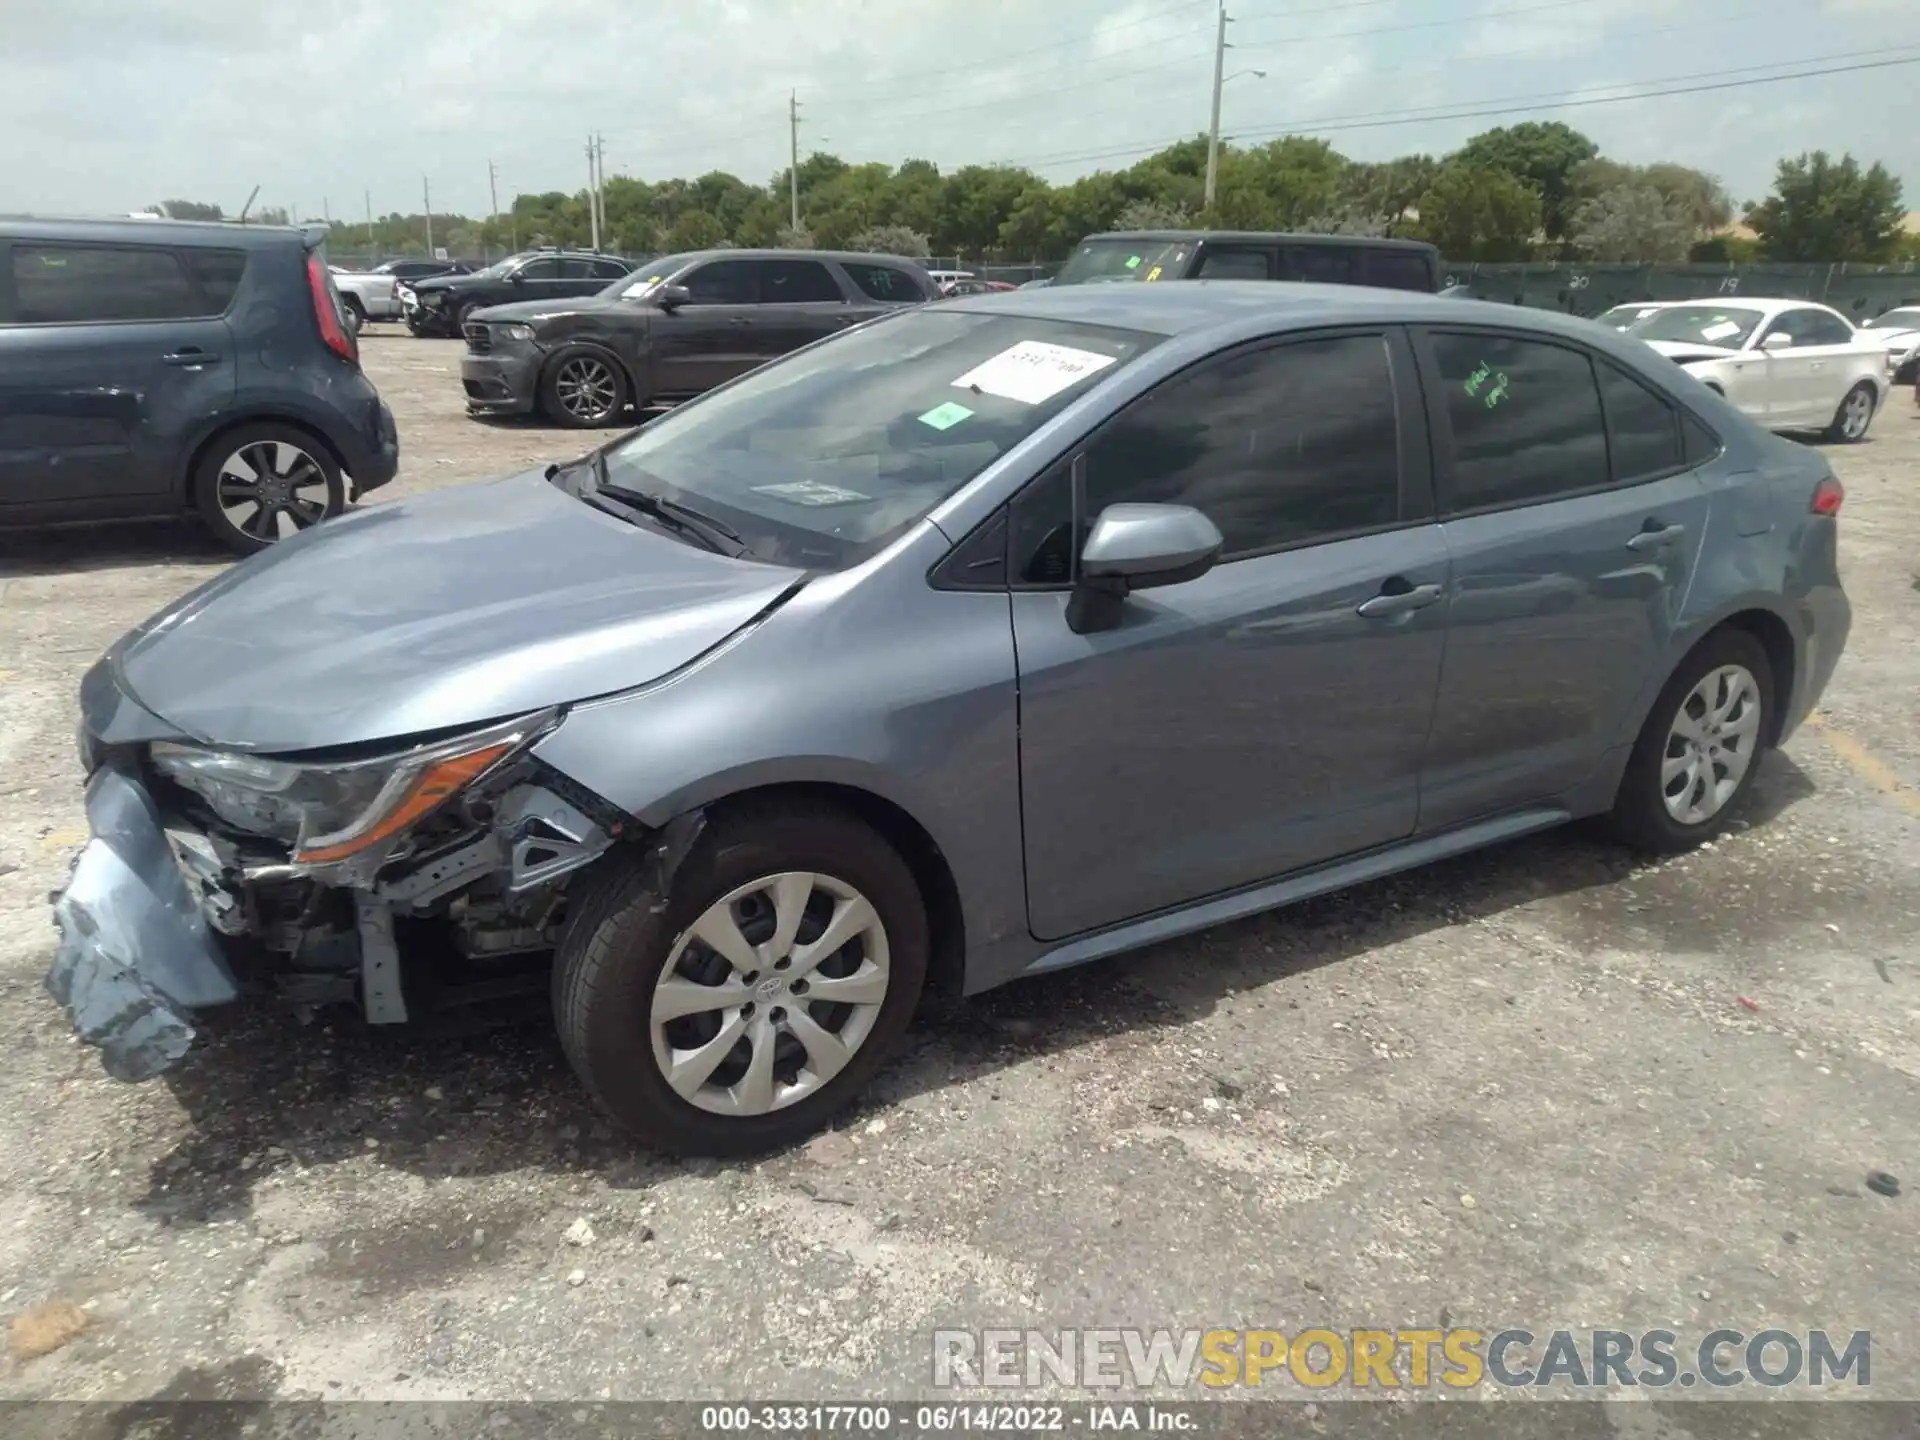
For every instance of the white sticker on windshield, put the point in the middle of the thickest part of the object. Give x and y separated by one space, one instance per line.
1033 371
811 492
1720 331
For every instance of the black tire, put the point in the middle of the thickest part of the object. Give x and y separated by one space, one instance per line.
620 935
583 390
1840 432
416 329
356 313
1640 816
462 315
307 489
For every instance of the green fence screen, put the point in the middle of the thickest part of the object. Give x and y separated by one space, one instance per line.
1859 292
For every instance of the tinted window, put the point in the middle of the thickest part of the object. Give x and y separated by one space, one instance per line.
1275 446
1322 264
607 269
540 270
1817 327
882 282
572 269
1042 543
73 284
1394 270
1234 265
1642 429
724 282
218 273
794 282
1701 443
1525 418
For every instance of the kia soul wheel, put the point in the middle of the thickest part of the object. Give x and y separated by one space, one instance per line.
1700 746
266 482
775 980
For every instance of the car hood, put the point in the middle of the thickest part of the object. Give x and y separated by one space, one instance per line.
528 311
1898 340
439 282
1687 352
453 608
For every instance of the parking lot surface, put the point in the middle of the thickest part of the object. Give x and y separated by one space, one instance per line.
1549 1085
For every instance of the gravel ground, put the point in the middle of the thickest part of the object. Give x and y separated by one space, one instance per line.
1547 1085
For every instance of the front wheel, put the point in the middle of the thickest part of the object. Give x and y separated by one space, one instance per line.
745 1007
1855 414
265 482
1700 746
583 391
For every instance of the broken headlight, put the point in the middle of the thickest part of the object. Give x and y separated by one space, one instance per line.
330 811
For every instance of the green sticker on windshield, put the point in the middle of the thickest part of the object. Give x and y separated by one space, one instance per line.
1133 262
945 417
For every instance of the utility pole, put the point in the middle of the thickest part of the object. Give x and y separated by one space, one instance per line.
600 183
367 195
426 197
493 199
793 147
593 205
1213 126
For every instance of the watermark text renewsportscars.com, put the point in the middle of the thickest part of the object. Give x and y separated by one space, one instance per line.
1396 1359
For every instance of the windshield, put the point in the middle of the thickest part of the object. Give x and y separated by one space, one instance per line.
1621 316
1907 319
1100 262
1726 326
819 460
647 277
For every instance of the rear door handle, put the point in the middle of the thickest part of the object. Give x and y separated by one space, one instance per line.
191 357
739 320
1657 538
1400 602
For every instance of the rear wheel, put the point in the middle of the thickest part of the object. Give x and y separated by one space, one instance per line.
356 312
582 391
1700 746
265 482
1855 414
745 1007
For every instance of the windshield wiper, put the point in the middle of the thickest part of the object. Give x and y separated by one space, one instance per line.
684 518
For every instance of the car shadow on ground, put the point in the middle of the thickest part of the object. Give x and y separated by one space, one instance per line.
489 1092
109 545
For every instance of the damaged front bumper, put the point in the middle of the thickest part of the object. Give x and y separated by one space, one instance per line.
135 954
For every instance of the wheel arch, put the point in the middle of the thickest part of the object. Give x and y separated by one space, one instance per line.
601 348
1776 637
198 453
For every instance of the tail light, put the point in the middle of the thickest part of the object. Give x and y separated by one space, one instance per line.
326 309
1828 496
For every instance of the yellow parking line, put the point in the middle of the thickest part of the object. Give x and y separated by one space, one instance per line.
1868 766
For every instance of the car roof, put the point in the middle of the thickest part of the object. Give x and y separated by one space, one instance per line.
1189 306
857 256
223 233
1263 237
1759 304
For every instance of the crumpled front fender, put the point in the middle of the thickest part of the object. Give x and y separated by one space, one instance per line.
135 953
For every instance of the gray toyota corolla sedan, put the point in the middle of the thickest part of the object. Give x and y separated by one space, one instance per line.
989 638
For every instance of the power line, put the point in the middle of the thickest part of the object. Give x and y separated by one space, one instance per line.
1510 106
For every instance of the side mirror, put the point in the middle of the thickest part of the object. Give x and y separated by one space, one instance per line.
672 297
1778 340
1138 547
516 278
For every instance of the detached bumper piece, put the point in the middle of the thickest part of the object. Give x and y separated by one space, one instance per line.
135 953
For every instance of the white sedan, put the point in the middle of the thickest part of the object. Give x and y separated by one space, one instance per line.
1788 364
1898 333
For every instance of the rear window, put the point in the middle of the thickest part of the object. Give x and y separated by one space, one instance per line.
79 284
883 282
1105 262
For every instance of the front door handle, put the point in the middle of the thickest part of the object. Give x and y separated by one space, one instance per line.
191 357
739 320
1656 537
1400 601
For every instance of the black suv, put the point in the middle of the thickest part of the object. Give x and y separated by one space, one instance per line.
1124 255
676 327
157 366
440 304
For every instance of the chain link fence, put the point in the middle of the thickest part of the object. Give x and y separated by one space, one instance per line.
1859 292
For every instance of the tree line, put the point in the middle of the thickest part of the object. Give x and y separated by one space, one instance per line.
1539 190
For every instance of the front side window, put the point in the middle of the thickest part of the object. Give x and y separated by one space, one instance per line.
820 459
1277 447
80 284
1820 327
724 282
883 282
1525 417
1725 326
795 282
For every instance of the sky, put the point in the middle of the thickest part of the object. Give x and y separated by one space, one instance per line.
112 105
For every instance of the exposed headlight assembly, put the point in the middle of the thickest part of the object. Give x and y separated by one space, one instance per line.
514 332
327 813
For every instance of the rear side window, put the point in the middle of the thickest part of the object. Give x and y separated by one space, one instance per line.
78 284
795 282
606 269
882 282
1525 419
1321 264
1395 270
1277 447
540 270
1643 431
1234 265
571 269
218 274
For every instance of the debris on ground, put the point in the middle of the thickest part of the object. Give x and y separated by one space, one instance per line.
43 1329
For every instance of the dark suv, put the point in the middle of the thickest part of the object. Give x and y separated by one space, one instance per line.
676 327
1254 255
440 304
153 367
